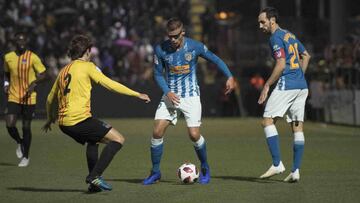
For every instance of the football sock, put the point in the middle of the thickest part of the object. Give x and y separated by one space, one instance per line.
14 133
106 157
200 149
26 141
156 153
91 155
272 140
299 141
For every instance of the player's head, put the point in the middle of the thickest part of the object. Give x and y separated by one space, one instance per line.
80 46
175 32
268 18
20 40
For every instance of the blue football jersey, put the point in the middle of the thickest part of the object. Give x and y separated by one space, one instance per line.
180 66
284 44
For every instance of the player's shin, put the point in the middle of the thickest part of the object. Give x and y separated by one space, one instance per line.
91 155
106 157
200 148
27 140
14 133
272 140
299 141
156 153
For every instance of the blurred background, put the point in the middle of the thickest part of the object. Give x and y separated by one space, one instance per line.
126 31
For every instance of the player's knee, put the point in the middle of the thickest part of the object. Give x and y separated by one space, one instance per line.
158 133
266 122
115 136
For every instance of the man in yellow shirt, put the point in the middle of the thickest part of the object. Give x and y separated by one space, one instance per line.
23 70
69 101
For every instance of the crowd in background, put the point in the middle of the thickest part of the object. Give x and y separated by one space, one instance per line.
124 31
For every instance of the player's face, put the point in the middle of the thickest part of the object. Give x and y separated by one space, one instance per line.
264 23
176 37
20 41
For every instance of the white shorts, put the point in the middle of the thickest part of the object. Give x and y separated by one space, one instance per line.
190 107
286 102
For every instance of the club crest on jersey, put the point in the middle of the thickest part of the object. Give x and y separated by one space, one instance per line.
23 61
188 56
156 60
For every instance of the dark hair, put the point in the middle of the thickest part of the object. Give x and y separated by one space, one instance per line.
20 33
78 46
173 24
271 12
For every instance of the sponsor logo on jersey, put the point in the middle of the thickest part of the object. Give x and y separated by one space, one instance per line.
156 60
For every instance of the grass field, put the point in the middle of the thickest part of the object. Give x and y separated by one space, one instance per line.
237 155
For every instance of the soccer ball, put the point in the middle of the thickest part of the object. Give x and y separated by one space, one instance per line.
188 173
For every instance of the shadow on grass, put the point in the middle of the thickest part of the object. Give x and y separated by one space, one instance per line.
248 179
32 189
7 164
134 180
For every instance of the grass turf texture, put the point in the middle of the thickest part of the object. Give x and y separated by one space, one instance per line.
237 154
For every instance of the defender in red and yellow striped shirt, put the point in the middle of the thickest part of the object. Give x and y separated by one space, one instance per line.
23 70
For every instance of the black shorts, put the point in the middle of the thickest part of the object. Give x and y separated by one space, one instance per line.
26 111
90 130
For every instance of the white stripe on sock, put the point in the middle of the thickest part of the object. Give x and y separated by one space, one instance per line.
156 142
200 142
270 131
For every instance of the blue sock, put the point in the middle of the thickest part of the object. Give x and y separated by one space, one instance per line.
200 148
156 153
298 148
272 140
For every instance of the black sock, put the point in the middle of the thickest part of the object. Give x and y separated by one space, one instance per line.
91 155
14 133
106 156
26 141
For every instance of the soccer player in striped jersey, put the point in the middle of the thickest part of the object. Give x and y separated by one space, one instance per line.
69 103
289 96
23 71
177 57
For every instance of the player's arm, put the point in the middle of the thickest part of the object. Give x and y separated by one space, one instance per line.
6 77
159 77
41 75
208 55
304 57
278 51
51 106
99 78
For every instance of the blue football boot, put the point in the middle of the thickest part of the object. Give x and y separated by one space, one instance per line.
204 175
153 178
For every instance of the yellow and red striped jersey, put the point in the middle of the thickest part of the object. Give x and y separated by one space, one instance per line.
23 70
72 91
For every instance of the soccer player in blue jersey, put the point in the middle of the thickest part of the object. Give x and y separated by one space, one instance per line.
289 96
177 57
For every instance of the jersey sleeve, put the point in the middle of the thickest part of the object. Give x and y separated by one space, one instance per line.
6 66
37 64
51 102
99 78
158 71
277 48
301 48
205 53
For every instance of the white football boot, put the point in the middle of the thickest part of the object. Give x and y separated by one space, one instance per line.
19 152
293 177
24 162
273 170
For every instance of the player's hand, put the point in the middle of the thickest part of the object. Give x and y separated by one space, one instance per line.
230 85
144 97
173 98
264 94
30 90
6 89
47 126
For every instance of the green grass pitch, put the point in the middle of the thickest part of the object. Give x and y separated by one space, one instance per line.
237 154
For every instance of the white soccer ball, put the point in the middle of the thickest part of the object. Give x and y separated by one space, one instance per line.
188 173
